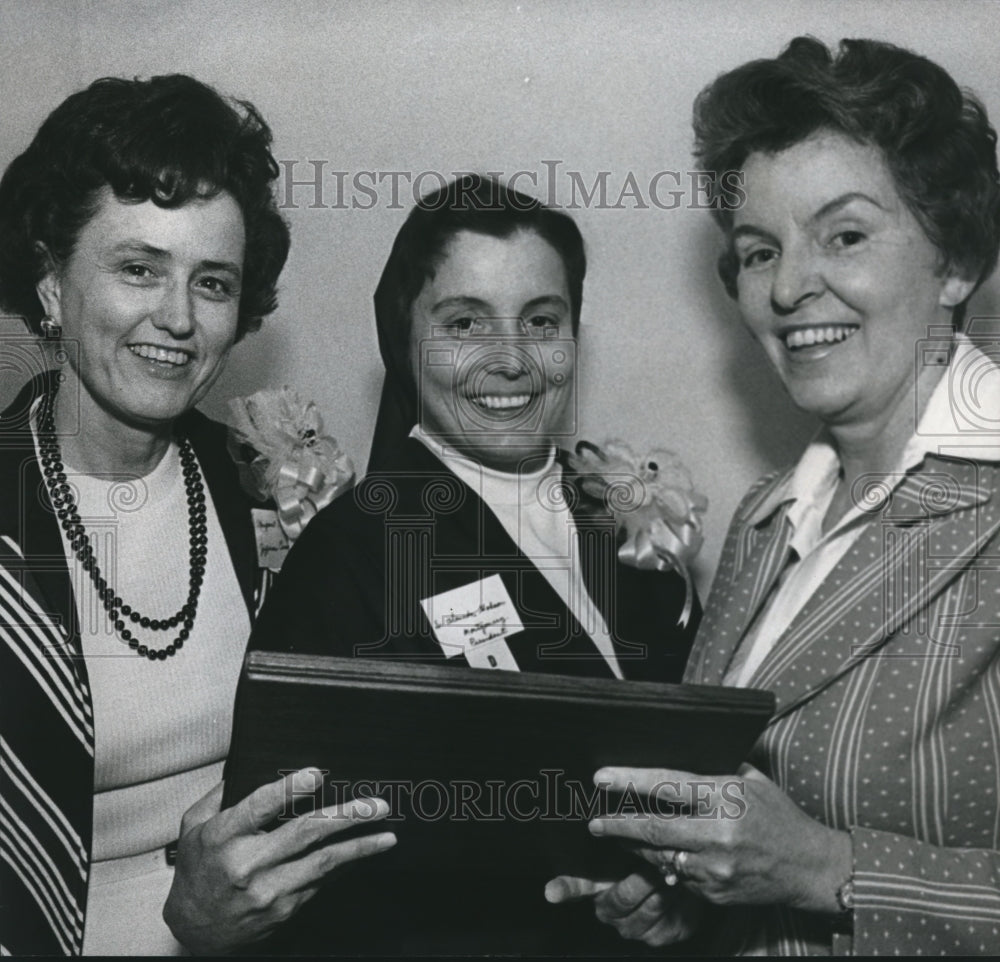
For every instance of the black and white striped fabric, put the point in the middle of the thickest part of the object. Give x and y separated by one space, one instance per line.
45 820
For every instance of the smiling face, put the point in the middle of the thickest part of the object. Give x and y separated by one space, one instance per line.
492 348
837 280
150 295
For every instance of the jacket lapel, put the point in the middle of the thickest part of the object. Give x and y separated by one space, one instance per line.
761 551
641 608
598 553
929 530
47 720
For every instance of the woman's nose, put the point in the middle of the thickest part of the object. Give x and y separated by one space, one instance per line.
176 312
797 279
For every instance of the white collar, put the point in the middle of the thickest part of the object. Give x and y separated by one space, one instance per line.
496 487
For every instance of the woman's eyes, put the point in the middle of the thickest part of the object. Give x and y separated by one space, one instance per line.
138 272
533 325
838 241
757 257
217 288
846 238
539 322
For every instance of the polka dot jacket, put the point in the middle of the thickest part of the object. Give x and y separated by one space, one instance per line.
888 718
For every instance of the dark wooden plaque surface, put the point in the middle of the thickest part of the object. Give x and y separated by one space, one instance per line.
490 780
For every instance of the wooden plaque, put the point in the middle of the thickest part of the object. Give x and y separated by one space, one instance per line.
489 775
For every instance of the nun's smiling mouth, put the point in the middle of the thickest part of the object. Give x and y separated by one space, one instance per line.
502 402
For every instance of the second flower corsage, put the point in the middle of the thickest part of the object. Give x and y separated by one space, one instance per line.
656 509
283 456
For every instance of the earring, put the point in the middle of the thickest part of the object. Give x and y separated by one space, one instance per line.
51 328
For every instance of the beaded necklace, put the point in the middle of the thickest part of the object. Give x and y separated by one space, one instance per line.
61 495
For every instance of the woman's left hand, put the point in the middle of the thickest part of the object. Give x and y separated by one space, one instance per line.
746 841
639 907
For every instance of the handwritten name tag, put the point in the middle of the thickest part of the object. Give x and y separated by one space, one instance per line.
475 620
272 542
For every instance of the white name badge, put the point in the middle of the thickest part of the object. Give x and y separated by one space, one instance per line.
475 620
272 543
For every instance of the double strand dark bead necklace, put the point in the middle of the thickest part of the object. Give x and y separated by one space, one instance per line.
61 495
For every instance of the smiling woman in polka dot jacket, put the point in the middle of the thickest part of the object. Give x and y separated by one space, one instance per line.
862 586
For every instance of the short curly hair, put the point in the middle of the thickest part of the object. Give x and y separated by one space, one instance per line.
169 139
936 139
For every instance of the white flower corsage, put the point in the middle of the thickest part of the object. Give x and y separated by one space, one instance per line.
283 456
656 509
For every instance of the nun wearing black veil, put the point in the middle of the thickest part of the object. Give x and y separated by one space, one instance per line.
471 542
468 505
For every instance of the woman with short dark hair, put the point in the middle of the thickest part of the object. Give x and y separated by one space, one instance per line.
859 586
171 140
935 139
140 238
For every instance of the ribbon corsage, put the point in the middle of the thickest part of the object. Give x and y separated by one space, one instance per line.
283 455
656 509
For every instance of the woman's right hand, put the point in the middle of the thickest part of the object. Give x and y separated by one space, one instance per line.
234 882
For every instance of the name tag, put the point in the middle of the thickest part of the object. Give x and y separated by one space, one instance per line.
475 620
272 542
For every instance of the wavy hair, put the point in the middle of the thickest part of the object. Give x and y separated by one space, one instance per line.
936 138
169 140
